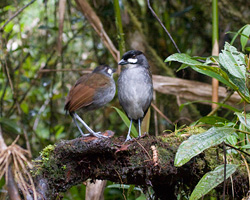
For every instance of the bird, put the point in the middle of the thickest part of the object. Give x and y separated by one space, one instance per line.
90 92
135 87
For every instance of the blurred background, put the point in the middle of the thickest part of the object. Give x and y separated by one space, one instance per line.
43 54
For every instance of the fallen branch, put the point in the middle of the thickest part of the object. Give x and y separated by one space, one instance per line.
147 161
191 90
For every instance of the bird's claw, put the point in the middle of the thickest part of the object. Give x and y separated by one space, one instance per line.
98 135
128 138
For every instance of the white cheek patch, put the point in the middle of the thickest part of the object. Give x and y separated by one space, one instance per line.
110 71
132 60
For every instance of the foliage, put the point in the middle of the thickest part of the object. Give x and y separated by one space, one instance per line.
211 179
231 70
198 143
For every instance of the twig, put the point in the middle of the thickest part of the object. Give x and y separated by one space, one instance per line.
225 170
123 191
247 167
144 150
64 70
169 35
238 130
237 149
164 116
11 185
219 106
17 13
8 77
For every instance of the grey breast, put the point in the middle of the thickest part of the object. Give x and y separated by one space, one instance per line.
135 91
105 95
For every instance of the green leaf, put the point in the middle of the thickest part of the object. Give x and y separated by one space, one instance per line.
206 101
9 125
212 120
195 144
245 36
183 66
232 71
42 131
247 146
241 87
2 182
236 34
59 130
131 188
182 58
212 179
232 139
214 72
25 108
126 120
233 61
142 197
9 27
244 119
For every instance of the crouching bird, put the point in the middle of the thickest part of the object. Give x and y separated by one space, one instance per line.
135 87
91 92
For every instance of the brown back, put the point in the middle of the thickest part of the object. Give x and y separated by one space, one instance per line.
82 93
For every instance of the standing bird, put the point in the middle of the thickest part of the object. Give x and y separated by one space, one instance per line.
135 87
91 92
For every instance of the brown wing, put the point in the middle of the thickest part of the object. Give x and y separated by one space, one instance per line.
82 94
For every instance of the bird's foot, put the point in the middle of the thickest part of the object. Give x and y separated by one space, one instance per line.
128 138
142 136
98 135
84 135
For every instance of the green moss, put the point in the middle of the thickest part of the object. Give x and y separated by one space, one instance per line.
164 154
212 158
48 165
172 139
64 167
46 152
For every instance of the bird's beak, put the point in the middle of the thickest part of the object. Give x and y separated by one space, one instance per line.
122 62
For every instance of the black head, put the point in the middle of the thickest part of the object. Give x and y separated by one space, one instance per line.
134 58
104 69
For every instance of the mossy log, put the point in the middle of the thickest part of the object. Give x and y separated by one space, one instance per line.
148 161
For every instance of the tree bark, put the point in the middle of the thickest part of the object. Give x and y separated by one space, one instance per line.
147 161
